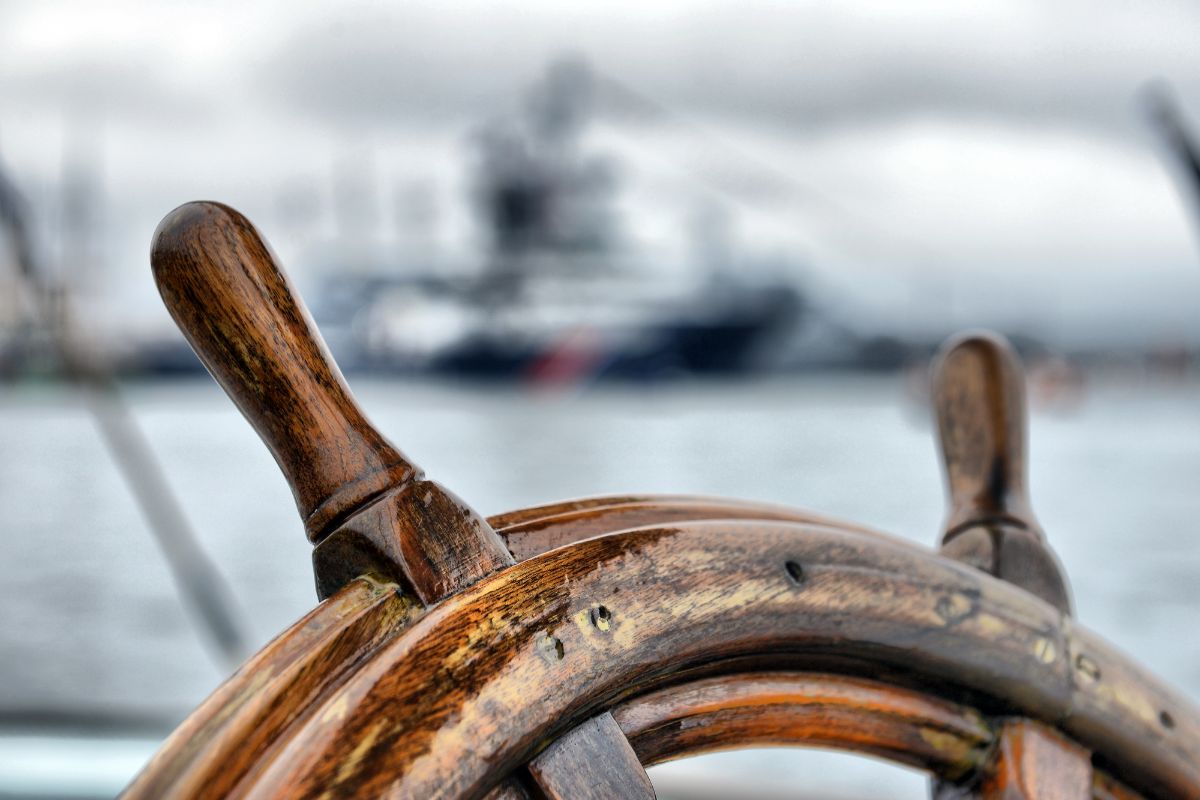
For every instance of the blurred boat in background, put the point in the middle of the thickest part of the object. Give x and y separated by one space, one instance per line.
556 289
557 293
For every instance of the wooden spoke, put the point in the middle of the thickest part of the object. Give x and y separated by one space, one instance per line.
364 504
1034 762
592 762
979 400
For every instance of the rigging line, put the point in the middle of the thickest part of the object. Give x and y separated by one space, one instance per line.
195 577
1167 117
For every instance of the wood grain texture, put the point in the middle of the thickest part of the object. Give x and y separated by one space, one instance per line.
509 790
533 531
821 710
225 736
1122 711
234 303
1035 762
420 535
473 689
593 761
979 401
486 675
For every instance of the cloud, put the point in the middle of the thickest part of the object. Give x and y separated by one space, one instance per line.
1002 139
804 67
97 87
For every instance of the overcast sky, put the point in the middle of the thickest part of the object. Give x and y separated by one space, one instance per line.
963 162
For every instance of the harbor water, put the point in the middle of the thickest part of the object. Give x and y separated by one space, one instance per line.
95 642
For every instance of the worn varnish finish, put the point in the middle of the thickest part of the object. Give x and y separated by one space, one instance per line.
951 741
771 708
510 790
592 760
222 739
979 399
486 675
1035 761
638 629
1114 694
221 283
516 653
533 531
362 501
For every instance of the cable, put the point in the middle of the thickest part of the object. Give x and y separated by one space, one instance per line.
196 579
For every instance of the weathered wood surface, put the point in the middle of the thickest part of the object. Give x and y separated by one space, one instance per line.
237 308
773 708
476 684
1035 762
533 531
1125 714
364 504
594 760
951 741
225 736
979 401
509 790
441 668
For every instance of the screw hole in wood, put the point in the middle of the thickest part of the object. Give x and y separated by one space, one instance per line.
552 649
601 618
1086 666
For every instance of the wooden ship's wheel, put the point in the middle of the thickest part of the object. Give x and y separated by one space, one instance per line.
553 652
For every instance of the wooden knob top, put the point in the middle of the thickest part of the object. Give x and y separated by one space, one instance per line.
979 400
226 291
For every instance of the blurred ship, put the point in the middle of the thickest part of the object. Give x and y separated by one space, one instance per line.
558 295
